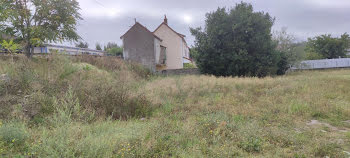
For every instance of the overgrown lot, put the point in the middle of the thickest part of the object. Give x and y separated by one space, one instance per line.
60 106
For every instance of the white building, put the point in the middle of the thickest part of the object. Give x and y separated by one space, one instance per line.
50 48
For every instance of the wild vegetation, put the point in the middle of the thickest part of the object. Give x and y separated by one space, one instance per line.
57 106
113 49
327 47
238 42
34 22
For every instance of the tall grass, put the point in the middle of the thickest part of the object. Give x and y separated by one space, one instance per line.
103 92
103 107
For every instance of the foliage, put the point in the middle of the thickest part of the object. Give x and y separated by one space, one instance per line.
237 42
13 133
10 46
300 50
193 53
311 55
117 51
98 46
326 46
48 21
252 144
113 49
82 44
189 66
4 14
286 44
104 93
110 45
63 111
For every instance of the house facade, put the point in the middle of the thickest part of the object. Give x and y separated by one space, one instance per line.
177 48
159 50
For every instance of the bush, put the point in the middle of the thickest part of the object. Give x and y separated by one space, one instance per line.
13 134
189 66
115 64
328 150
68 109
112 98
251 144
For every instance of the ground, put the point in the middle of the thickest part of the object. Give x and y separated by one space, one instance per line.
89 107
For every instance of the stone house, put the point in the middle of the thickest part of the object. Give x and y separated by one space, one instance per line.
161 49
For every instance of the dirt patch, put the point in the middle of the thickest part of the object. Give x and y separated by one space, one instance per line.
316 124
347 121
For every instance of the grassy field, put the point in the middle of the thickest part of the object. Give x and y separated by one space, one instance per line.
101 107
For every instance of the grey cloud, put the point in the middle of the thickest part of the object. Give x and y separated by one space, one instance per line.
303 18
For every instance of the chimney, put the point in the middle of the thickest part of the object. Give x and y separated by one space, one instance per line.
165 20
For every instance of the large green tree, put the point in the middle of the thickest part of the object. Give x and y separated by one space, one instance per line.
36 21
326 46
4 11
238 42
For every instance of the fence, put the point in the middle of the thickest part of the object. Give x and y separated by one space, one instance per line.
323 64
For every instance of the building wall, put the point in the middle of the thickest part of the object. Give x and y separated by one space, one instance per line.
139 47
157 49
185 52
174 47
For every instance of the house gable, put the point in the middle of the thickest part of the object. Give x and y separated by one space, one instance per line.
166 25
141 46
174 43
138 25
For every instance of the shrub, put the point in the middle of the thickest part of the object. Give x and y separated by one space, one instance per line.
68 109
328 150
113 98
189 66
251 144
115 64
13 133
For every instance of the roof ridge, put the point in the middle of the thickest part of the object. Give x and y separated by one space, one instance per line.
182 36
137 23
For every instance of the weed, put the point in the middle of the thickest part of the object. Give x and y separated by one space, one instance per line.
328 150
251 144
13 134
105 107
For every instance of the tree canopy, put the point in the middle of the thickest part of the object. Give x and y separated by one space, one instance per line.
37 21
98 46
326 46
286 44
82 44
113 49
238 42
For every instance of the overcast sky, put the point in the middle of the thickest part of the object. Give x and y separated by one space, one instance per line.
107 20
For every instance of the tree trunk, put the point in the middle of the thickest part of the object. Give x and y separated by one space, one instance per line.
28 51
